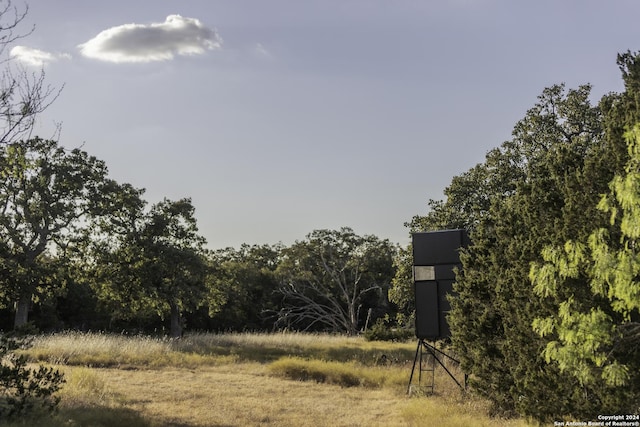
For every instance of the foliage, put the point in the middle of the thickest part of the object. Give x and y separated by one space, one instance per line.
332 278
551 199
246 278
174 264
383 331
599 344
158 263
401 290
49 199
23 389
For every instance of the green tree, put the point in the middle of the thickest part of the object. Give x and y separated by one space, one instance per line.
599 343
49 200
535 189
174 264
157 264
246 277
110 269
328 280
550 200
401 289
467 202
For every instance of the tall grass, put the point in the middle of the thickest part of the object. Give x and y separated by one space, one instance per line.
346 374
439 412
110 350
122 351
85 387
262 347
245 379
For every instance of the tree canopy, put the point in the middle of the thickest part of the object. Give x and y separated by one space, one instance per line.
49 199
247 281
157 265
599 344
331 280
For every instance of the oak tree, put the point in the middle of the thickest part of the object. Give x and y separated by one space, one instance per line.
49 200
247 280
331 279
156 264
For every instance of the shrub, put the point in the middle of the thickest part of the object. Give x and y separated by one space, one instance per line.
23 389
381 331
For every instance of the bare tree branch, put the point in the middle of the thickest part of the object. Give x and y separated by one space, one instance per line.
23 94
326 279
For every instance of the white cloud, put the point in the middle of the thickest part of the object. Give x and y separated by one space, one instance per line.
35 57
153 42
260 50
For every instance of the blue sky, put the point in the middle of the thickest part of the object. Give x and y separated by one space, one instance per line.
281 117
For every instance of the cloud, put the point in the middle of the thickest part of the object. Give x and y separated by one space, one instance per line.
260 50
36 57
154 42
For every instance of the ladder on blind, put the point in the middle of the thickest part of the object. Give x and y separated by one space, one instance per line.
426 358
426 363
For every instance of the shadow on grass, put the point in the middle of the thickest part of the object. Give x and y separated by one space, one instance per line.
94 416
373 355
102 416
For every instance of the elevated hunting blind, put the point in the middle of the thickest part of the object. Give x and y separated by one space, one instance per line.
436 255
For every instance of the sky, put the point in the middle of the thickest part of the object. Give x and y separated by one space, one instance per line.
279 117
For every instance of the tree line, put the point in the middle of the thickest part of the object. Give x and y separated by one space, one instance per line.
82 251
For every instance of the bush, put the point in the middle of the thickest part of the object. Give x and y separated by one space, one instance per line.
381 331
22 389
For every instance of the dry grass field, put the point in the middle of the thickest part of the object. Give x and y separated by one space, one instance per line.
246 380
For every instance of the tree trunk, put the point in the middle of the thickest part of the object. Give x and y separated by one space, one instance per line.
176 321
22 311
353 320
366 324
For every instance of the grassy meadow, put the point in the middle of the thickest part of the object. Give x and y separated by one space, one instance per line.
285 379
